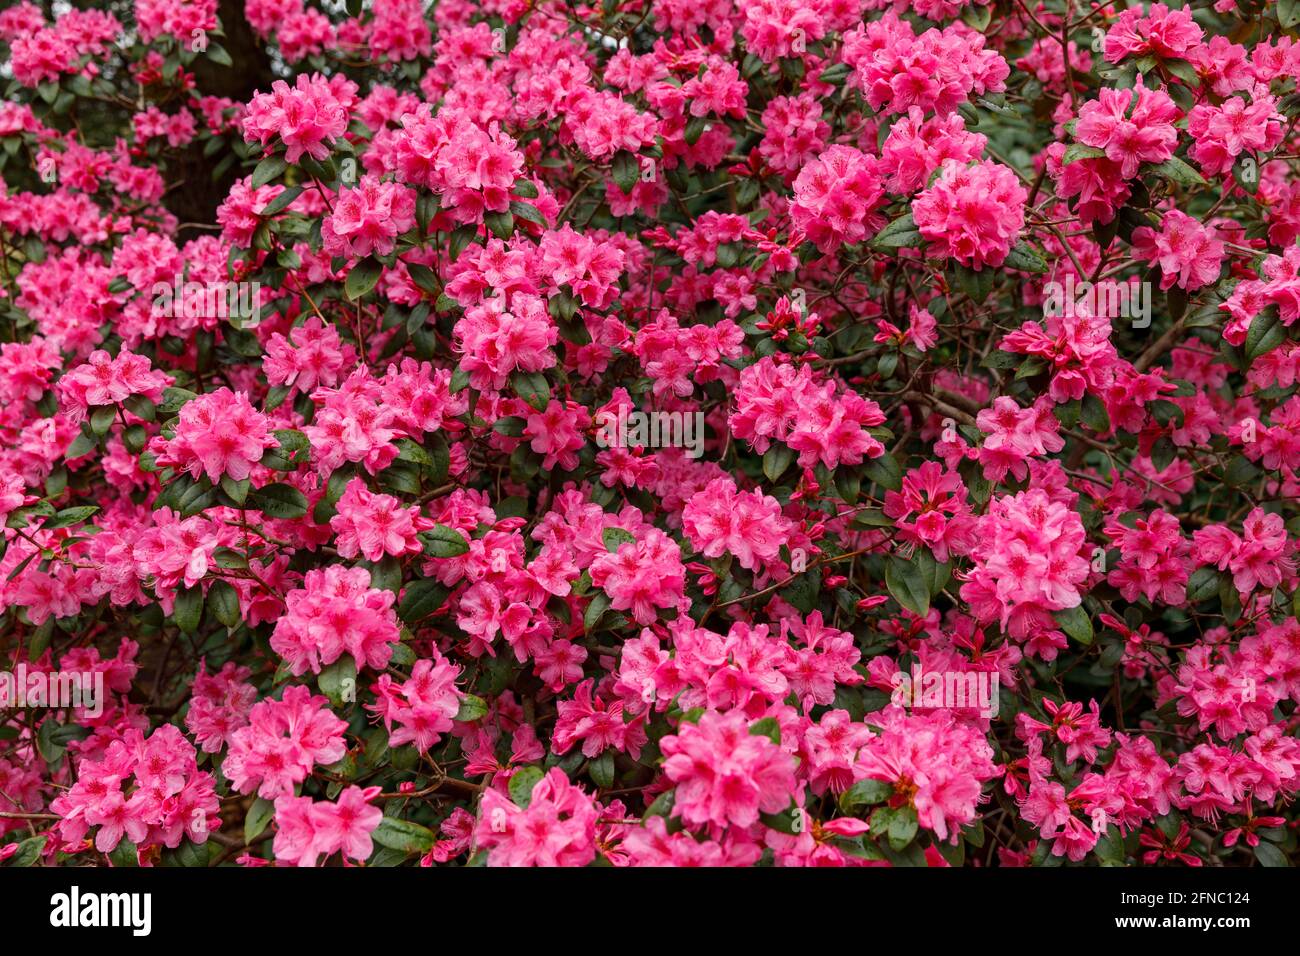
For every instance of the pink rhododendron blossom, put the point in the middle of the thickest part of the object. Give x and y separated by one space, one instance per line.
972 214
671 433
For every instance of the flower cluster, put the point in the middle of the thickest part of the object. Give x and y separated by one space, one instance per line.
650 433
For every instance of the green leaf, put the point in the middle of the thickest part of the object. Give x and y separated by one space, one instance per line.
403 835
424 278
1094 414
258 816
385 574
907 585
1077 151
124 855
294 449
512 426
626 170
789 821
873 518
1240 471
363 277
614 538
217 54
934 573
902 828
502 224
102 418
420 599
662 805
71 516
533 388
174 399
441 541
975 283
865 793
884 471
899 234
268 169
29 851
528 212
278 501
236 490
1203 585
1266 333
1075 622
600 602
20 517
282 200
338 681
602 770
522 784
471 708
767 727
1110 847
1288 13
977 17
223 599
1024 259
81 445
1270 855
776 460
188 609
695 128
141 406
1177 171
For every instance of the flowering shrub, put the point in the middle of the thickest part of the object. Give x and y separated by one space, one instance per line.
650 433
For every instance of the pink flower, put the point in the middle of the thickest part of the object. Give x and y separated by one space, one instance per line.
1027 564
1189 254
218 434
936 71
972 214
1133 126
935 502
110 381
220 705
146 790
555 433
642 575
307 829
836 197
283 741
336 611
374 525
724 774
558 827
368 218
1222 133
423 706
720 520
313 354
306 117
783 403
495 339
1163 32
935 763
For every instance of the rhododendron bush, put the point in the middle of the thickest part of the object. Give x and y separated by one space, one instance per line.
724 432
